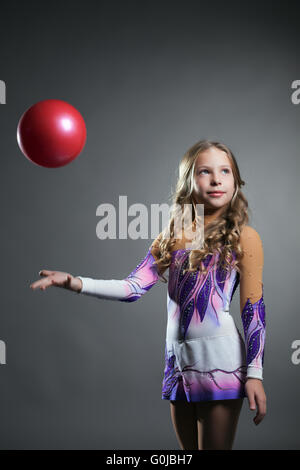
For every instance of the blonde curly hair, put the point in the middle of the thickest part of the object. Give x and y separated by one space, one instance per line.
222 235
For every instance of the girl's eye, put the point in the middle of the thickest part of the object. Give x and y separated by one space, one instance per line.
224 169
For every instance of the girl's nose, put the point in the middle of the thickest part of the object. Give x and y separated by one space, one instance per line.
216 180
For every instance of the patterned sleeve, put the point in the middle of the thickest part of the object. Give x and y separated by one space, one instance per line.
252 301
137 283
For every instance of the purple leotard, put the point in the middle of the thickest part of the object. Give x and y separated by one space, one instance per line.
205 354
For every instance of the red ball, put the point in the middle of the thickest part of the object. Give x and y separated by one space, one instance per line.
51 133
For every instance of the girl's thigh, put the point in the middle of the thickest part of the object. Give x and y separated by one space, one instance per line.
217 423
184 420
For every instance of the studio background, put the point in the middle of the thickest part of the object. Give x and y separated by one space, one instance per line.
150 79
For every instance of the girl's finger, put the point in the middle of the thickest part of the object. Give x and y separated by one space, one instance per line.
46 284
45 272
35 284
39 283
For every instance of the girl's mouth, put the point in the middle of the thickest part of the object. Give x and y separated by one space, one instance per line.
215 193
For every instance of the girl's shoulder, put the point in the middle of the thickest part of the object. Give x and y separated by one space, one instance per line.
251 245
249 235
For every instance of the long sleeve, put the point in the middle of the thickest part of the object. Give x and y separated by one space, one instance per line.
137 283
252 301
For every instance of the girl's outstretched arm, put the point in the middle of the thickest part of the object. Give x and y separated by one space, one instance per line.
137 283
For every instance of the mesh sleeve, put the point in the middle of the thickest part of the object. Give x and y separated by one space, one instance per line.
252 301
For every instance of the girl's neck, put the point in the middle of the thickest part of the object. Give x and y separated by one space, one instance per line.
209 216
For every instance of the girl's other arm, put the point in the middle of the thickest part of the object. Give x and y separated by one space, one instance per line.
252 301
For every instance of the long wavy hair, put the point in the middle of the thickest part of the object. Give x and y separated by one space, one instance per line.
221 235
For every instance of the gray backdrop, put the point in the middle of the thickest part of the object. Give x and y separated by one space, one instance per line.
150 79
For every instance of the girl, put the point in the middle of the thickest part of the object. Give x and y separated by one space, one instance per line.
209 369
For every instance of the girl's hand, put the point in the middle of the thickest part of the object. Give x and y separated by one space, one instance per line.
58 279
256 396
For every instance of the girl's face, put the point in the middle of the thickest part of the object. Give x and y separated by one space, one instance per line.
213 172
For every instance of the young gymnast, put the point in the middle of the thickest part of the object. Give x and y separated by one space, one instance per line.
209 369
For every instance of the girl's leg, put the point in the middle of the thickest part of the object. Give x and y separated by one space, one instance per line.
184 421
217 423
